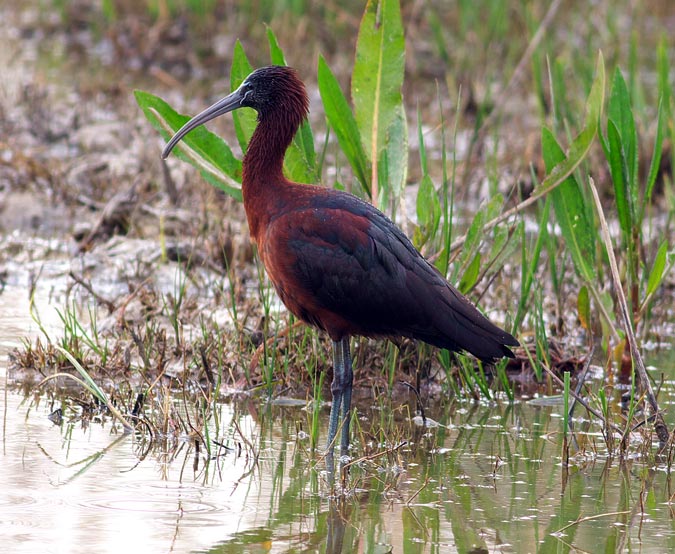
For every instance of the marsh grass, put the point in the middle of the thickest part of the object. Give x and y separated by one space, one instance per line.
555 275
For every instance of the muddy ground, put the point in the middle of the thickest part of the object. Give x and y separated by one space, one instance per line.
91 215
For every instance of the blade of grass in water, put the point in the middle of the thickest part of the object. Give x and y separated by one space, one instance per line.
95 389
645 383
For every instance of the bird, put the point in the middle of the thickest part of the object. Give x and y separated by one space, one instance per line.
337 262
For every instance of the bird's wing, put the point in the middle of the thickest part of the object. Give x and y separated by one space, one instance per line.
347 268
330 261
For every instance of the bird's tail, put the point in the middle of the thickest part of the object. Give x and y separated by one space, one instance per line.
460 326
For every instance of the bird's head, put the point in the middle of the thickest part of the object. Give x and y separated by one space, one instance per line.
272 90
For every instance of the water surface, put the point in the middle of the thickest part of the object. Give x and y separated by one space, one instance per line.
488 478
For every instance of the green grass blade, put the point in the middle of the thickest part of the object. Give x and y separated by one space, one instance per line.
529 268
569 203
619 111
94 388
656 160
342 121
377 77
584 308
663 65
422 147
304 142
580 146
396 150
428 205
448 188
596 97
472 244
470 275
617 167
91 384
428 210
658 271
476 232
276 53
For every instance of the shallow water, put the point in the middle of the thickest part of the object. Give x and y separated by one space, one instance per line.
488 478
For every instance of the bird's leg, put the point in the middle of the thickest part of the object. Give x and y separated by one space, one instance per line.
341 387
337 390
348 378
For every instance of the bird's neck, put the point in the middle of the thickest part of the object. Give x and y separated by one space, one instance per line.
263 180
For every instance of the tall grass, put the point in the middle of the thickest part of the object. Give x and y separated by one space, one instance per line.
372 138
625 135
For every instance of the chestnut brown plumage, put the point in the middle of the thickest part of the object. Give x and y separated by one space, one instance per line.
336 261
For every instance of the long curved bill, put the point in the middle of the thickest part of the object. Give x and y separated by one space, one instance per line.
231 102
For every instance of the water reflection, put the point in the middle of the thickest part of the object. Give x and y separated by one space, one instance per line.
488 478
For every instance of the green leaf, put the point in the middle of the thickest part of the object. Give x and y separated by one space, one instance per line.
297 167
619 111
617 167
342 121
245 120
621 153
500 237
503 250
422 147
529 268
561 105
656 160
663 65
428 206
569 205
584 308
596 97
657 273
217 182
472 243
494 206
377 77
470 275
304 142
204 150
276 53
396 151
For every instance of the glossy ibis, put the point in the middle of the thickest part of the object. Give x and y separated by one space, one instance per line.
336 261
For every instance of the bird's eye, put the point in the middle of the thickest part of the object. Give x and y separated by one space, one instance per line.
246 97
